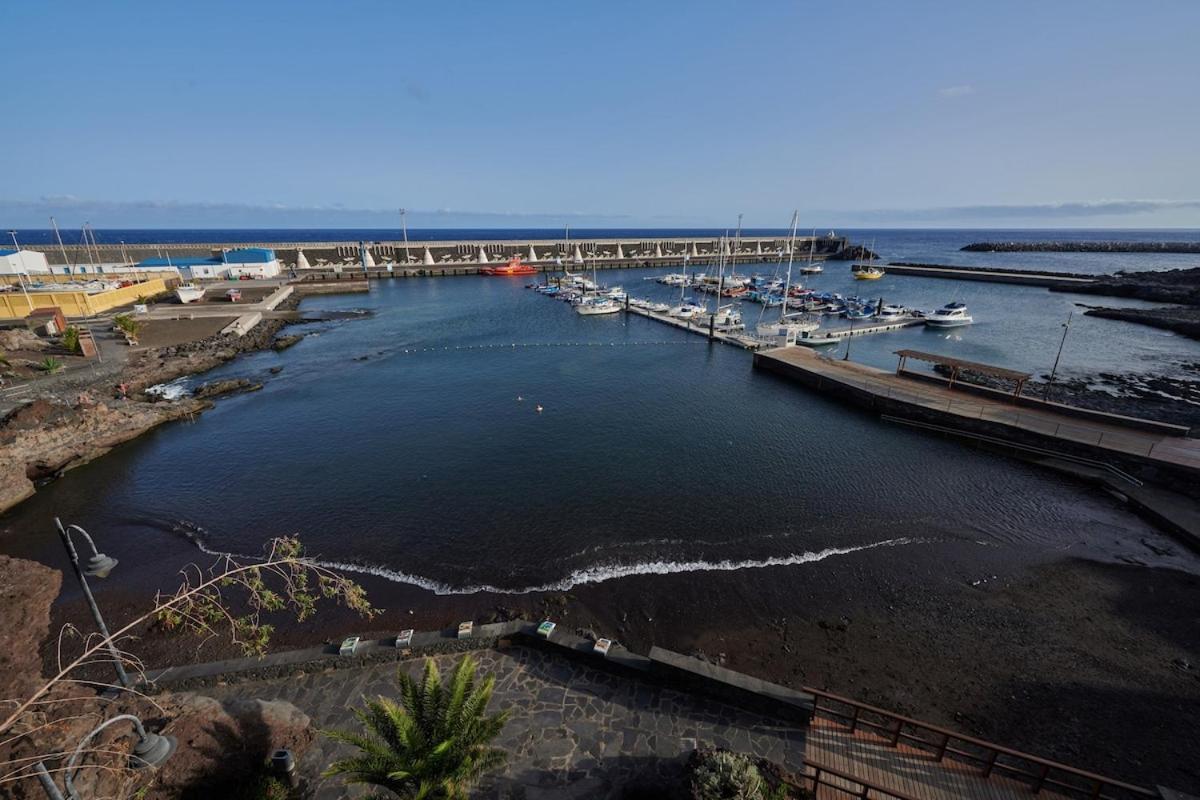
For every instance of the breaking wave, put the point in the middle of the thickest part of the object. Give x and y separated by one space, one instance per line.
595 574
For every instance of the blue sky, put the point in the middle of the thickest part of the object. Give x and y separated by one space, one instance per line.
611 113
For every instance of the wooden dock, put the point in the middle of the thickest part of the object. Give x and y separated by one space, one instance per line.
934 405
750 342
856 750
736 338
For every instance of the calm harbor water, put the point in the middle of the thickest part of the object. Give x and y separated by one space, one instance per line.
398 443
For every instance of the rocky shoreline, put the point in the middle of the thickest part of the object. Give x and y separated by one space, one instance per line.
44 438
1081 247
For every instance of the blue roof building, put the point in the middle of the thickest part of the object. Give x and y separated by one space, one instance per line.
256 262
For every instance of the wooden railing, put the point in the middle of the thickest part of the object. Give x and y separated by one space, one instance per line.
820 774
991 759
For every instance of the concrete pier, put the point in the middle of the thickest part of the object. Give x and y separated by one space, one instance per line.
426 255
1031 424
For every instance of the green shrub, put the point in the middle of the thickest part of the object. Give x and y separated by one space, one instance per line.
127 324
51 365
70 339
722 775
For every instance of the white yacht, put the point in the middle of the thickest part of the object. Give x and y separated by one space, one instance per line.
785 331
951 315
728 318
891 312
189 292
597 305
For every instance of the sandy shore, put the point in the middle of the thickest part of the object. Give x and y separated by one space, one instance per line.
1061 656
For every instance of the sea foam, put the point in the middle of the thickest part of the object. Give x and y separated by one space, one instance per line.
598 573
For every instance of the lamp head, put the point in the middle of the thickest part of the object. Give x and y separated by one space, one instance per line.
99 565
151 751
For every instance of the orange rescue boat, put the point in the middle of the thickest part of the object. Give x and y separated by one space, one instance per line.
513 267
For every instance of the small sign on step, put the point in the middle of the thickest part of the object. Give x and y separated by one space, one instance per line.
602 647
404 640
349 645
465 629
545 629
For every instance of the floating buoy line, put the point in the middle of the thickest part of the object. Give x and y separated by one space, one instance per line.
525 345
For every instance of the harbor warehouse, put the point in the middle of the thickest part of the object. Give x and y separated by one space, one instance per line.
250 262
23 262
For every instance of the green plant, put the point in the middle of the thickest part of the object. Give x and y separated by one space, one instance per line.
127 323
70 339
433 745
722 775
50 364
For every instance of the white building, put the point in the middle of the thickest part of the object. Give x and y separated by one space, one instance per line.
253 262
24 262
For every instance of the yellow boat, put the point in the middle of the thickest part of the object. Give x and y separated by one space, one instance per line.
869 274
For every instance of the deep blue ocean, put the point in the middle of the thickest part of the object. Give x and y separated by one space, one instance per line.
407 443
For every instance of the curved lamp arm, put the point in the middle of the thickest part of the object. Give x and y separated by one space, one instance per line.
66 534
164 749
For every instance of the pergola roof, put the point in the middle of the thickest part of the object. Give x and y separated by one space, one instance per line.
966 366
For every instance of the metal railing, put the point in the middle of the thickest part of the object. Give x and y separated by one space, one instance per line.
991 759
1028 448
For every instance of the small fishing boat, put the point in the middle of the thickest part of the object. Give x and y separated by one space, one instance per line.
514 267
814 339
891 311
189 292
812 268
868 274
673 279
951 315
658 308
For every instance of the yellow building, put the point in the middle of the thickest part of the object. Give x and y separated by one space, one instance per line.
17 304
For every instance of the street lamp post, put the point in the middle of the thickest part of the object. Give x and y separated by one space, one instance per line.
99 565
151 750
1054 369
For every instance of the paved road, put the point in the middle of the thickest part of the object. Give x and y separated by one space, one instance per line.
575 731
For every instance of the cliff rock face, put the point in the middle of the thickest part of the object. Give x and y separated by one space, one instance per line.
223 745
27 589
45 437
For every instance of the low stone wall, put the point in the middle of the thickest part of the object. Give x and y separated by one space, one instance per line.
665 667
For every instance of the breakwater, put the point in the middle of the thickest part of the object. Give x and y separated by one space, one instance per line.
472 253
1082 247
1015 276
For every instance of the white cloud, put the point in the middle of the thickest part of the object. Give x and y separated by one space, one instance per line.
961 90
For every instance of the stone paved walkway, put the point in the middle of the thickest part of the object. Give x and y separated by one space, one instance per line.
574 731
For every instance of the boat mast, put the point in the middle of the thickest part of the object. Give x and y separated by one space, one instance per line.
70 267
787 283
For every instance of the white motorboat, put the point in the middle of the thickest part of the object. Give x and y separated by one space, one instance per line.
686 310
891 311
784 332
812 268
189 292
951 315
658 308
597 305
673 279
728 318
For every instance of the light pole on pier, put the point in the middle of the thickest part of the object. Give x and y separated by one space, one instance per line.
99 565
404 229
1066 329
